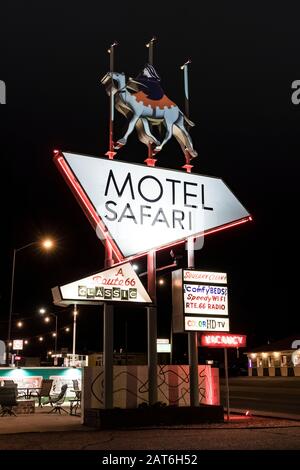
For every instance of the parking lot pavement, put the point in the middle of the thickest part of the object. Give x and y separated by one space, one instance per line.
238 434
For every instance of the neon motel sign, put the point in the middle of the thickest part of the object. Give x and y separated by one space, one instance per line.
138 208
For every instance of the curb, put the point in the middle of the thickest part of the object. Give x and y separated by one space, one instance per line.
265 414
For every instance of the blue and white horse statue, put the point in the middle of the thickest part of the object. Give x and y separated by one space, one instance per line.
143 111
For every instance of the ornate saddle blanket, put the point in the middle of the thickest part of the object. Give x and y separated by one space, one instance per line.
140 96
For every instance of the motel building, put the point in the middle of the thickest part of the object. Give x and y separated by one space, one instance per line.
280 358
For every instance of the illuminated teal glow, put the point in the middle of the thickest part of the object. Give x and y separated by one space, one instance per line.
68 372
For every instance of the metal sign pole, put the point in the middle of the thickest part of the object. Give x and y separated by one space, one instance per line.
111 153
150 45
8 357
108 339
74 334
192 340
151 272
152 328
108 310
56 333
227 383
188 167
192 336
150 160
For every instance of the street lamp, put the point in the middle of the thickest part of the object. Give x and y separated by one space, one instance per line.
75 313
42 311
47 244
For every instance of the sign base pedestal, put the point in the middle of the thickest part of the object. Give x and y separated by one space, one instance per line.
150 161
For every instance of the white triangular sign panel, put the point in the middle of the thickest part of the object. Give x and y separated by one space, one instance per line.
117 284
146 208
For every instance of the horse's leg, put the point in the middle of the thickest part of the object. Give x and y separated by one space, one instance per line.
148 131
169 126
130 128
180 137
189 144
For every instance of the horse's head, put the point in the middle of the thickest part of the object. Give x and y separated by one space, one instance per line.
116 79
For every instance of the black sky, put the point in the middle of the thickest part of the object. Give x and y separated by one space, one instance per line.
245 55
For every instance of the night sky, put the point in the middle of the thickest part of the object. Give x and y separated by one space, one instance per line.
245 57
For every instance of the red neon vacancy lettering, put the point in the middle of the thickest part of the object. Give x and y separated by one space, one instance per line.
223 340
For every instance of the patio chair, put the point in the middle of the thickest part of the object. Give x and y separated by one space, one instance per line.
8 399
75 386
8 383
43 392
57 401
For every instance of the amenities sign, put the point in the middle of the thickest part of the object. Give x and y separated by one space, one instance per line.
200 301
140 208
206 324
117 284
205 299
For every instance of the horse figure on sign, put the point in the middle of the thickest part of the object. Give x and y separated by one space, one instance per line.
144 102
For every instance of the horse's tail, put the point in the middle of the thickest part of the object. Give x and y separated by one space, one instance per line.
190 123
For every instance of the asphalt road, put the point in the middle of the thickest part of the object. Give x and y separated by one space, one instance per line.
253 434
267 394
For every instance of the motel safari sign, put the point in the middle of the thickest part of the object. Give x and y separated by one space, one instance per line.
139 208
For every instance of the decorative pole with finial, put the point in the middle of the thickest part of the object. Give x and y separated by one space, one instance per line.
188 167
150 161
151 281
150 45
192 335
111 152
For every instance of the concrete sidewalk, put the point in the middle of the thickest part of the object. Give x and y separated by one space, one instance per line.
40 422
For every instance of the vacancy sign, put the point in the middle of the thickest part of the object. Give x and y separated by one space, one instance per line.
140 208
116 284
223 340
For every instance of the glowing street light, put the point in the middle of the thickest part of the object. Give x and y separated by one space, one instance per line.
41 339
47 319
54 335
42 311
19 324
161 282
46 244
67 329
26 341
